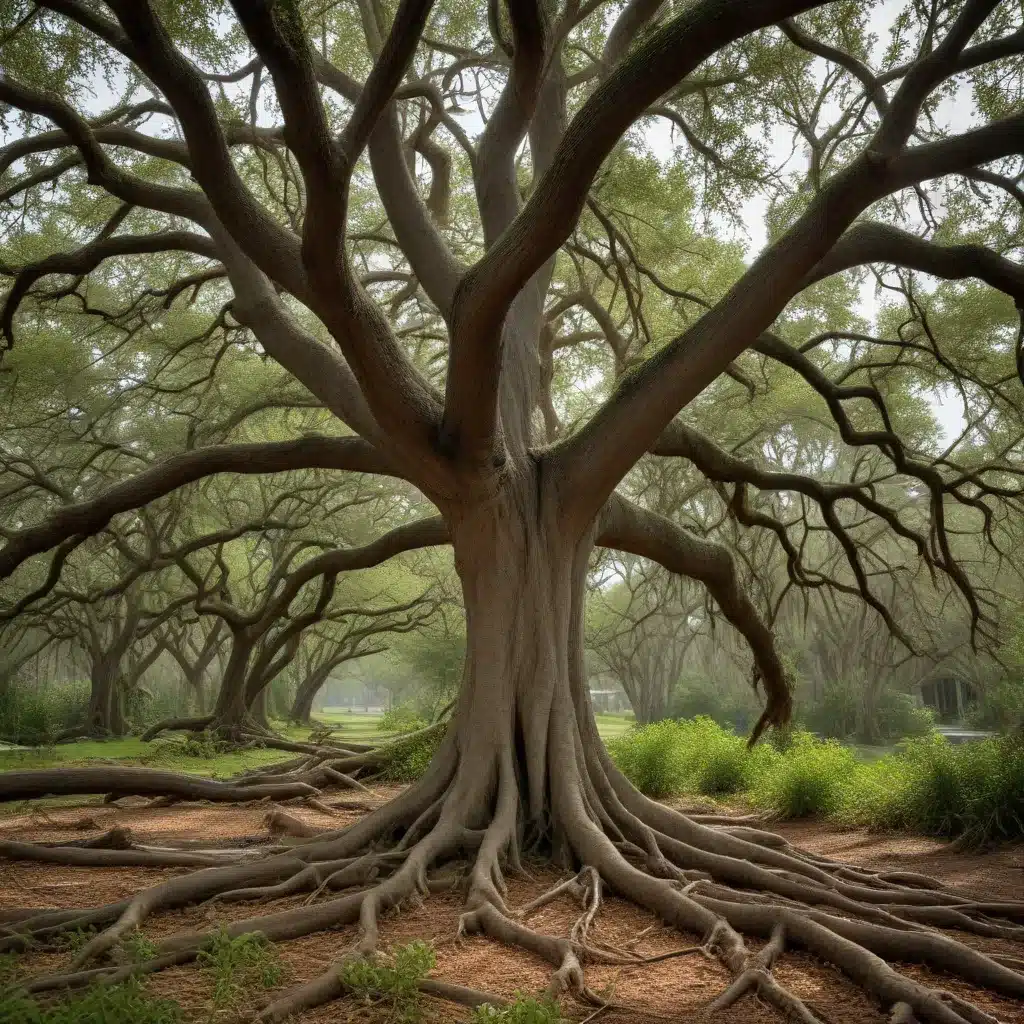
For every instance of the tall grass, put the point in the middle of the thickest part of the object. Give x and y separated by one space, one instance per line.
973 791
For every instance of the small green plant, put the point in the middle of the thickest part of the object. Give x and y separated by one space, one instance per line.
238 964
523 1010
651 758
74 941
393 979
126 1003
320 733
972 791
8 969
402 718
696 755
203 745
137 948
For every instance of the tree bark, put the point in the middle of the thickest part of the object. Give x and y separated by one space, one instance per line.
104 715
231 716
305 694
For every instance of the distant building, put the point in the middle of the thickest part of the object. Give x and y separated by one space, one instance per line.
609 701
949 697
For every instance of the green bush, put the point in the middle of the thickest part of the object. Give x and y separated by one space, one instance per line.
730 706
126 1003
1000 705
716 760
809 778
523 1010
651 758
407 759
401 718
238 964
202 745
899 718
969 791
394 978
696 756
840 713
36 718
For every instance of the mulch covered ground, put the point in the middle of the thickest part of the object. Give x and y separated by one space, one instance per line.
675 989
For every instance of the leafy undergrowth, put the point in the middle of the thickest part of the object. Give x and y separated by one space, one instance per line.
971 791
127 1003
402 718
392 980
694 755
237 965
408 758
524 1010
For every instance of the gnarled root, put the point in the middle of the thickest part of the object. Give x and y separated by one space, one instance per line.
721 882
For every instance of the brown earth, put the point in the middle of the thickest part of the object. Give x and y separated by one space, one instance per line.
675 989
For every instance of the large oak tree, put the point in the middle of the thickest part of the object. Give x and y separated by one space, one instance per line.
268 192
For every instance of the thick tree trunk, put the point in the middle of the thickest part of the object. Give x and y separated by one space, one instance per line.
305 694
517 730
231 715
104 715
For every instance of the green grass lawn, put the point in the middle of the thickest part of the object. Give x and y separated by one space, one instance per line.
167 752
610 726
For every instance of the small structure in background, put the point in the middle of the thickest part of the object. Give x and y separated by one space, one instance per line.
609 701
949 697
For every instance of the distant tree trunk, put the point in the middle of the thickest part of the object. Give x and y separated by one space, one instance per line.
305 694
104 715
231 711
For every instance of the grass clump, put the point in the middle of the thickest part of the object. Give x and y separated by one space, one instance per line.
202 745
523 1010
809 778
973 792
126 1003
392 979
239 964
137 948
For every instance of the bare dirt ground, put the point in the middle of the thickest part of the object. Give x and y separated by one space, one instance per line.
675 989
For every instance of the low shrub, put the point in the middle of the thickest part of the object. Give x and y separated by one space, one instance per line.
971 791
407 759
393 978
402 718
1000 705
136 948
696 755
202 745
809 778
239 964
523 1010
899 718
126 1003
651 757
36 717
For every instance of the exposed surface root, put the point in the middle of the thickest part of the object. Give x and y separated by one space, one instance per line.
725 883
31 785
